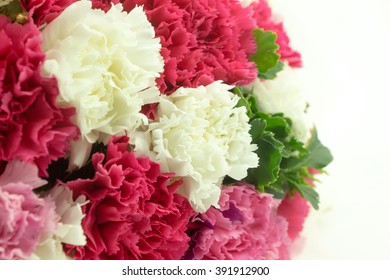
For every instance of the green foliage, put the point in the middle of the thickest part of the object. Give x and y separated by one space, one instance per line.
266 56
272 72
317 156
283 160
310 194
270 155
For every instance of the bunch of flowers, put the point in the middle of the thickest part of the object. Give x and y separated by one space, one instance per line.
166 129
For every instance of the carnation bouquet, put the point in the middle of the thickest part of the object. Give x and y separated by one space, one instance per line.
152 129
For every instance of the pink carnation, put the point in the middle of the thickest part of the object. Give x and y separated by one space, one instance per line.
245 227
104 5
202 41
23 215
263 15
295 210
44 11
32 127
133 211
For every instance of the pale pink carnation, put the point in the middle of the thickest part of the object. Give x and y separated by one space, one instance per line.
23 215
202 41
133 210
32 127
262 13
245 227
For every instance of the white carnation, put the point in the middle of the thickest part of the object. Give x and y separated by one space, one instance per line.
68 230
200 136
284 95
106 65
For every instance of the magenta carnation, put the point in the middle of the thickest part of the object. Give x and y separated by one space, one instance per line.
133 211
23 215
295 210
245 227
32 127
44 11
202 41
104 5
263 15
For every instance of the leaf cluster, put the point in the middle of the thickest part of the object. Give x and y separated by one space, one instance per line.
284 161
266 57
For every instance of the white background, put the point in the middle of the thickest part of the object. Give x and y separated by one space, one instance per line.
345 46
113 270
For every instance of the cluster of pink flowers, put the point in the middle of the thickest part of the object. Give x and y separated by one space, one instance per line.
133 210
124 205
23 215
202 41
32 127
246 226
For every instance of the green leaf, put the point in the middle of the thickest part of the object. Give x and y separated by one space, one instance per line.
270 155
318 156
252 101
257 129
272 73
309 194
243 102
297 181
278 189
279 126
266 57
277 193
294 148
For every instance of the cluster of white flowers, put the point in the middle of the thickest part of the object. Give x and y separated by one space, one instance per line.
106 65
68 229
284 95
200 136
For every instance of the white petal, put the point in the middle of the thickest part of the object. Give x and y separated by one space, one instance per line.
68 230
200 136
106 65
80 152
